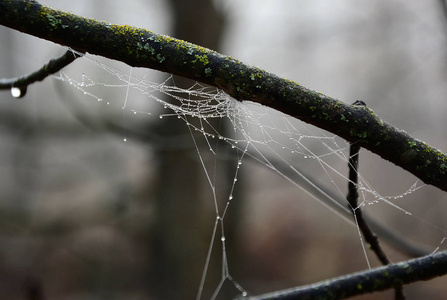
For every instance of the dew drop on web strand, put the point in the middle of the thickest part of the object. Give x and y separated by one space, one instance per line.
249 126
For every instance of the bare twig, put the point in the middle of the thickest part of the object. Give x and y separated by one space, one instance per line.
352 197
53 66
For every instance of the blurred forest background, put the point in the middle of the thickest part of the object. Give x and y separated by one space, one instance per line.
85 215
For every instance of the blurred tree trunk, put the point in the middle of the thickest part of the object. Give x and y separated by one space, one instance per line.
184 209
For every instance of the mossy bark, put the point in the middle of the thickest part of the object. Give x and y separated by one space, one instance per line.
378 279
142 48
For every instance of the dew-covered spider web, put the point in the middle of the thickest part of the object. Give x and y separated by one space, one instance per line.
258 144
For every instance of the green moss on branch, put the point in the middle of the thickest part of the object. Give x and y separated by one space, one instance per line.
142 48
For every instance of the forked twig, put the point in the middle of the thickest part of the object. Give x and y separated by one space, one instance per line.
352 197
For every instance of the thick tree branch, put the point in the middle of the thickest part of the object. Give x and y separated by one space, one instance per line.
142 48
374 280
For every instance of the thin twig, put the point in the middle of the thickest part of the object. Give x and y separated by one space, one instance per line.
352 197
53 66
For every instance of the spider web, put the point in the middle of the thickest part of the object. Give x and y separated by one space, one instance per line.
305 157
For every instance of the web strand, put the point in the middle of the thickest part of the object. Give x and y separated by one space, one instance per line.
269 138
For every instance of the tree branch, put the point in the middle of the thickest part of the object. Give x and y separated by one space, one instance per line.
352 197
142 48
378 279
53 66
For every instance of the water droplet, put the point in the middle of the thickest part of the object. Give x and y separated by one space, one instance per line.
231 197
161 117
244 294
18 92
222 239
125 139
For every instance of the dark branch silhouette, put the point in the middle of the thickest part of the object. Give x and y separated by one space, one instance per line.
379 279
352 197
142 48
53 66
